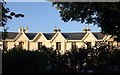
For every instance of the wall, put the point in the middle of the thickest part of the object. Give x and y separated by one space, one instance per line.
24 39
10 45
90 38
79 44
1 45
42 39
33 46
65 44
59 38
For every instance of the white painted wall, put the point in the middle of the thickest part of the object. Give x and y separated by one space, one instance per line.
90 38
65 44
10 45
24 39
33 46
1 45
59 38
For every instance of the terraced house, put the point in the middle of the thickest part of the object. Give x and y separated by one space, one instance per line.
56 40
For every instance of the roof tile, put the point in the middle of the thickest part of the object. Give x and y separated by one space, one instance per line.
31 35
49 35
73 36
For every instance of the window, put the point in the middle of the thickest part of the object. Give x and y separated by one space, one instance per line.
58 45
88 44
73 45
21 44
110 43
5 45
39 45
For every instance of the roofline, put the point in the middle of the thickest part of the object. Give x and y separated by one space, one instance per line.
56 35
38 35
20 35
87 35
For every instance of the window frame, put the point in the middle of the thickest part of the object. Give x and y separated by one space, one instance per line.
40 44
73 45
21 44
88 44
58 45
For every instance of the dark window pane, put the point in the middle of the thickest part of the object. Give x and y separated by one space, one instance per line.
73 44
88 44
39 45
5 45
58 45
21 44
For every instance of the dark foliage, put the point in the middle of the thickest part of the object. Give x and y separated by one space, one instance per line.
104 15
48 61
6 14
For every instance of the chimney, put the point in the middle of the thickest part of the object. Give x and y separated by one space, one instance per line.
26 30
58 29
85 30
20 30
88 28
55 30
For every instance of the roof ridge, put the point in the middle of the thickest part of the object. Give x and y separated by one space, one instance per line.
45 33
96 32
73 32
10 32
32 33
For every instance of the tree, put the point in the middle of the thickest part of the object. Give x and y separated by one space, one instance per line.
5 15
105 15
47 61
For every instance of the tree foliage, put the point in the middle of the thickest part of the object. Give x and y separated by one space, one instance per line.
6 14
51 62
105 15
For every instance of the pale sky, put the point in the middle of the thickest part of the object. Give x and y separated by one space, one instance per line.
41 17
25 0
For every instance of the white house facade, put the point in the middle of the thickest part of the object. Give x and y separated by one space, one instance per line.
56 40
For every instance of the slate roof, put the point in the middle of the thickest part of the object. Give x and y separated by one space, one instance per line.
69 36
31 35
10 35
73 36
98 35
49 35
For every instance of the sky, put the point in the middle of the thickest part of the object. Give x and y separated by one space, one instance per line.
42 17
62 0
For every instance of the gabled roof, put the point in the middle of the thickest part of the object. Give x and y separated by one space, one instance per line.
30 35
10 35
49 35
69 36
73 36
98 35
